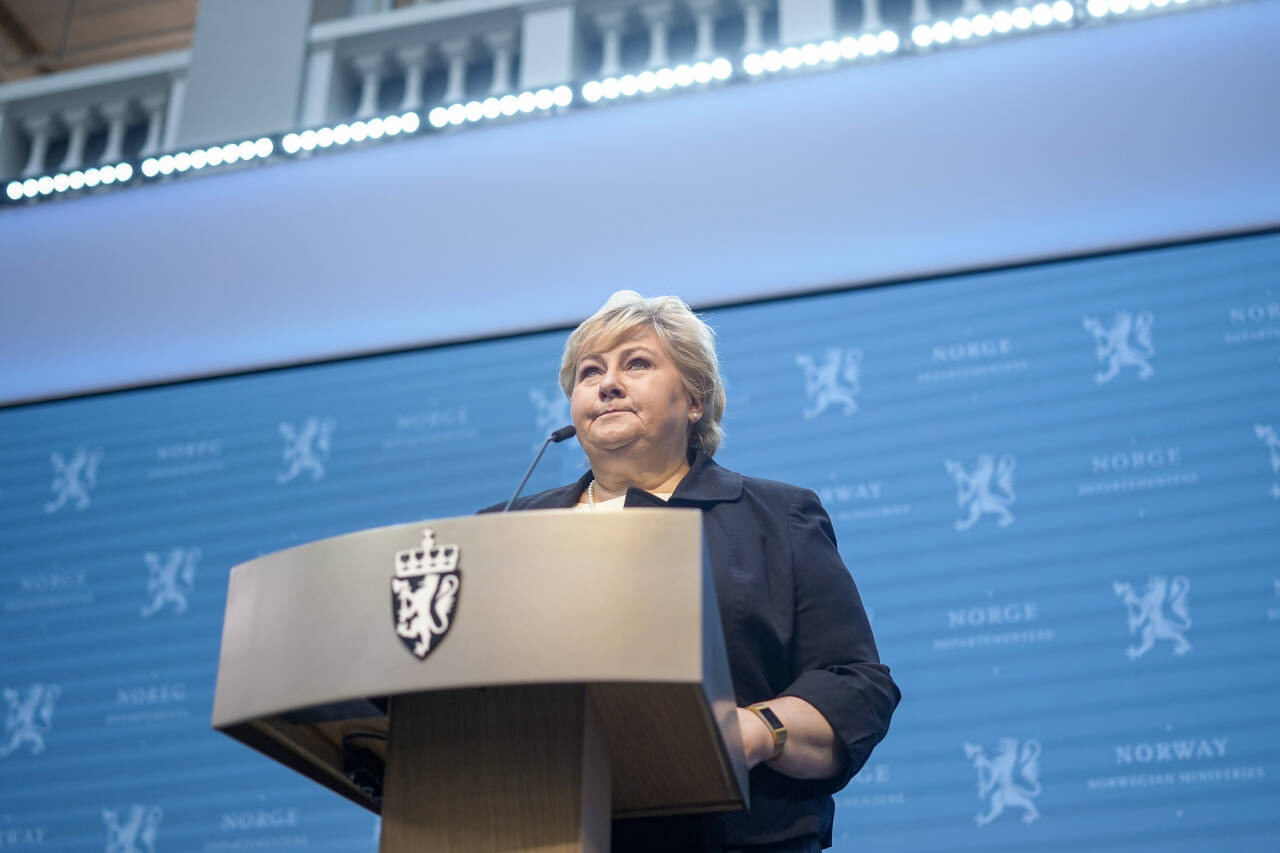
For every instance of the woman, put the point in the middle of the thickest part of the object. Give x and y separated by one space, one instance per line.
646 398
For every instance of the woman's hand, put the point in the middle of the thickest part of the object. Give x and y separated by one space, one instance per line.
811 751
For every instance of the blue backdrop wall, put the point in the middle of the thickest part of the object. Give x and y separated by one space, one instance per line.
1057 486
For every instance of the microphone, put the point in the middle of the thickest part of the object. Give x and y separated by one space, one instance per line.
557 436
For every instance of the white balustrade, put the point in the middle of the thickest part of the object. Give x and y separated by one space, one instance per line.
753 25
413 60
456 52
611 24
77 123
871 20
431 49
658 17
153 105
434 45
116 114
90 110
369 67
502 45
704 21
381 40
38 129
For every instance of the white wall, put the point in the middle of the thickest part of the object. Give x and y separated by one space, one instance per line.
246 69
1065 143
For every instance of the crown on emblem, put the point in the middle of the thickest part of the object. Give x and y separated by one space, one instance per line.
429 557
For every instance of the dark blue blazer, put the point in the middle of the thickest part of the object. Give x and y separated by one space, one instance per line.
794 626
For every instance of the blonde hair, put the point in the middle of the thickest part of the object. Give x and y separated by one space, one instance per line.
690 342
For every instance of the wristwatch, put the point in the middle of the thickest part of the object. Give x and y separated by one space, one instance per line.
776 727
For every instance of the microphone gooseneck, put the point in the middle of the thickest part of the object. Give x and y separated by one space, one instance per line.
557 436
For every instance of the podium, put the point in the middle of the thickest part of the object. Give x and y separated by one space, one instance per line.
573 673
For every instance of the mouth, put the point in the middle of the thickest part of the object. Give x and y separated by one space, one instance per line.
614 412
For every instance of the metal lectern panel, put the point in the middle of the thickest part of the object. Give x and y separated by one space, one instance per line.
544 597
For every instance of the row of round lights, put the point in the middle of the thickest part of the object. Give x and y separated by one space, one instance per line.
1106 8
199 158
658 80
356 131
542 100
998 23
824 53
63 181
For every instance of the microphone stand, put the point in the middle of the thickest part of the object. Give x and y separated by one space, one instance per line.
557 436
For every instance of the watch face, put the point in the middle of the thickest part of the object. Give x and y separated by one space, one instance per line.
771 718
776 728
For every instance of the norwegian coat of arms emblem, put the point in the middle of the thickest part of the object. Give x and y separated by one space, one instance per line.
424 593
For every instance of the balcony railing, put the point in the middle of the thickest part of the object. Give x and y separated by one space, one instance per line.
430 59
103 114
457 50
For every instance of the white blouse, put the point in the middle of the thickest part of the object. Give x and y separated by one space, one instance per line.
616 504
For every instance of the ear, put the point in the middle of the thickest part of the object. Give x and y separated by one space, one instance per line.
695 409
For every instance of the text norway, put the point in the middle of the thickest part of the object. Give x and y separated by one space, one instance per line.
1173 750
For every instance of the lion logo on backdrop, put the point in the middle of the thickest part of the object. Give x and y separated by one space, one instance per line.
424 594
136 833
73 479
1127 343
29 717
986 490
306 448
1147 613
1008 780
834 382
550 412
171 581
1267 434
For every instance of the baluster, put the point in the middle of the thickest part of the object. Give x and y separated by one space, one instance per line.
871 20
38 129
455 53
752 25
153 106
658 17
502 44
920 12
117 114
77 123
369 67
611 24
704 16
414 61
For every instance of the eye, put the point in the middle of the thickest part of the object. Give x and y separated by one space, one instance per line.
640 362
588 370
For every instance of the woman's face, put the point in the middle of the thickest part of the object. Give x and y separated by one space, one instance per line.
630 398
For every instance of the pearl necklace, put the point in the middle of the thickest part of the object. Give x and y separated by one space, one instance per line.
591 495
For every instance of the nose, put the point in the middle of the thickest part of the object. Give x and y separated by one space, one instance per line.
610 385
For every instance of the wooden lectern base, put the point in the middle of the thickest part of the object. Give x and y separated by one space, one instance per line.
496 769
